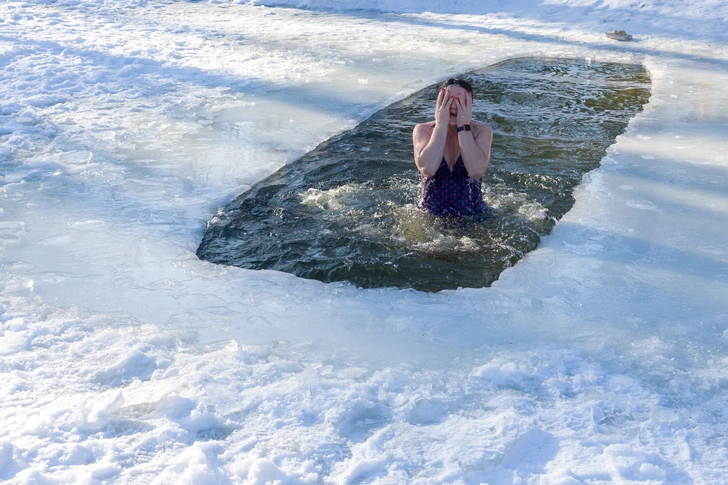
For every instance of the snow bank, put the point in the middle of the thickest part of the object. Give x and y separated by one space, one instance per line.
600 357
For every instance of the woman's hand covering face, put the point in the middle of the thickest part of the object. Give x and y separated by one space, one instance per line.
454 105
465 108
442 108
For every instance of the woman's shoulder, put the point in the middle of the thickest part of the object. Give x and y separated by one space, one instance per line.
427 126
480 127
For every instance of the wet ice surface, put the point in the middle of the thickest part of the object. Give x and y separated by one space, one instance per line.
347 210
598 358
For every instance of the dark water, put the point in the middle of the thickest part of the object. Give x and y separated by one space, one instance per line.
346 211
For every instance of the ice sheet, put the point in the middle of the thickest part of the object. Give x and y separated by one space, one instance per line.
599 358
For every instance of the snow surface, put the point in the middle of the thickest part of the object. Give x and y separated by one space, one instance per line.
599 358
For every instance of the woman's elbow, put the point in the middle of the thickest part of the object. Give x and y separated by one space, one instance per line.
427 173
425 170
477 174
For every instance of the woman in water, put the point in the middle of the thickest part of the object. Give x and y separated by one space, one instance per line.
452 153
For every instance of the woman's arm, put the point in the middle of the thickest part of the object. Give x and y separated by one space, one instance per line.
475 149
474 145
429 143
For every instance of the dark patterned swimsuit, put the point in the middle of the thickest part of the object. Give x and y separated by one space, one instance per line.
452 193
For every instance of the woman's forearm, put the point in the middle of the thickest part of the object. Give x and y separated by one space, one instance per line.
475 158
430 157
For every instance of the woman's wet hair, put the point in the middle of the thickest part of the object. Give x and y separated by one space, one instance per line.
460 82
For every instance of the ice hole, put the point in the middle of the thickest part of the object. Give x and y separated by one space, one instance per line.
346 211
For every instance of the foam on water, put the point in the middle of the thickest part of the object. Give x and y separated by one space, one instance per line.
598 358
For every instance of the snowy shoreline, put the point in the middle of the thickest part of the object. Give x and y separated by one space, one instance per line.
599 358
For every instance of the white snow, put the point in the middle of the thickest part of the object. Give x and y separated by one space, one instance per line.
599 358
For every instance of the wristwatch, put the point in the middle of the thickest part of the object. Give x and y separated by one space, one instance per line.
463 128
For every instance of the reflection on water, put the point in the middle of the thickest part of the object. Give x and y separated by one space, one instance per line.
346 210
